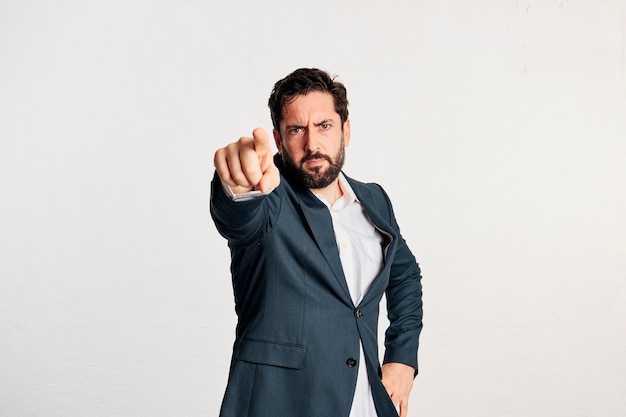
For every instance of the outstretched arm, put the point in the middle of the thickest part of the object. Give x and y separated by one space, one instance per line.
243 165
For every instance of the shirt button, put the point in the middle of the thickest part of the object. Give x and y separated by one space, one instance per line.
357 313
351 363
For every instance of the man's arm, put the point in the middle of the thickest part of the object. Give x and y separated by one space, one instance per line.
404 310
240 167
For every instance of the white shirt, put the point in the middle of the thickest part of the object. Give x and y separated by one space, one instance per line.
361 254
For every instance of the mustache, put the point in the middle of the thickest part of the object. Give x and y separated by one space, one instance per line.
316 155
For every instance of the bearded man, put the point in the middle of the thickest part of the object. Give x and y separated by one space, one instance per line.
312 253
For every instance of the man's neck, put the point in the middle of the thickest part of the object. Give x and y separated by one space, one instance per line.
331 193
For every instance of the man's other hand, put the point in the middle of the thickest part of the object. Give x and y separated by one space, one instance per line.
398 381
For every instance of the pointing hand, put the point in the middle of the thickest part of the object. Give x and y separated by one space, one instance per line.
248 164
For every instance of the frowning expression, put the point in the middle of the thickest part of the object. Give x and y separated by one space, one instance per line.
312 139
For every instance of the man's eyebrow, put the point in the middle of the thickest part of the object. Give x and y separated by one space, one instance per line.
295 125
325 121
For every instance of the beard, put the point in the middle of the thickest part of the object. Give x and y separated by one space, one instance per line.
317 177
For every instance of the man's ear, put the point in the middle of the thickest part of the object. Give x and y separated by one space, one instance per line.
346 132
277 141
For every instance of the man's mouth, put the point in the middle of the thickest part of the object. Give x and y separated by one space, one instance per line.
314 160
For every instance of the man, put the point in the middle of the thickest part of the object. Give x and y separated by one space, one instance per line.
312 253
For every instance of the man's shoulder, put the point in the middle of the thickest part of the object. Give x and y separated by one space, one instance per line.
370 186
367 190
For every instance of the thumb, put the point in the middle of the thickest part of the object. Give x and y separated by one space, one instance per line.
270 178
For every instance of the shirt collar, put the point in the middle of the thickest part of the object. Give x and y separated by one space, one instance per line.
345 200
348 192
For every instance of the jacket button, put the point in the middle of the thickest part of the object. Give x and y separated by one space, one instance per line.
351 363
357 313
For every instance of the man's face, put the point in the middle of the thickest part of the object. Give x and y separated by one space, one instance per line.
312 139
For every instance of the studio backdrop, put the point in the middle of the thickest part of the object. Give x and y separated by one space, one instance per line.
498 128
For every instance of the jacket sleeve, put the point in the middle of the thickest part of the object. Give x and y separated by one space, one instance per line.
404 304
242 222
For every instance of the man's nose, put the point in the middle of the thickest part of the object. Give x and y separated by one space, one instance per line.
312 140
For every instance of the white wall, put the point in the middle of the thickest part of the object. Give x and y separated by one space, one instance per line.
498 128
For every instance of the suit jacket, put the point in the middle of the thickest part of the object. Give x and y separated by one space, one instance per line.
298 332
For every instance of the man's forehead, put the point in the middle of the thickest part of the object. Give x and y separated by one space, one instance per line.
315 105
315 118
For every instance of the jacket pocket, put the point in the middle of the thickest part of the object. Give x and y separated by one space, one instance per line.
271 353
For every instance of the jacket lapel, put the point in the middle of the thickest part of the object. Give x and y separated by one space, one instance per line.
389 233
320 225
366 199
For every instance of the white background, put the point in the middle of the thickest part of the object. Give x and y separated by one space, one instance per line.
497 127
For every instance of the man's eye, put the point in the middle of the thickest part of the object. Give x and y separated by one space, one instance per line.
295 130
325 126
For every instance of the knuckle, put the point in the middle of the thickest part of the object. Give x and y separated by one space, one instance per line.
242 142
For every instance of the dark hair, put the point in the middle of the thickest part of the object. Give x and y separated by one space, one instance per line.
301 82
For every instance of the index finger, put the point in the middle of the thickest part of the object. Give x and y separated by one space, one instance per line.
261 141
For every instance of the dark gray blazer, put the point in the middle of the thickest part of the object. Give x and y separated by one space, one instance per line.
298 332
